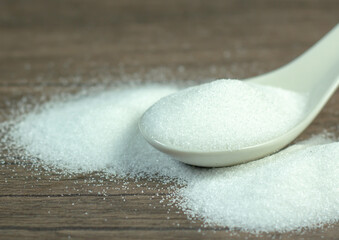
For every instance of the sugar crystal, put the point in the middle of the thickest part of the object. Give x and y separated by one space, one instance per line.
295 188
223 115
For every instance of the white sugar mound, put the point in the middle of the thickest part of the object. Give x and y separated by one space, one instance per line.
223 115
295 188
96 133
298 187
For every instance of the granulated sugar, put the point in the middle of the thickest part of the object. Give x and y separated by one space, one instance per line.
296 187
223 115
98 132
93 133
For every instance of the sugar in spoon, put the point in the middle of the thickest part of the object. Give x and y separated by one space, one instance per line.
315 72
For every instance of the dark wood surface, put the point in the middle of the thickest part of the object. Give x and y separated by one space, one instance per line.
48 47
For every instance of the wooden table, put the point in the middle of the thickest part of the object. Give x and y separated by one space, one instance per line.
48 47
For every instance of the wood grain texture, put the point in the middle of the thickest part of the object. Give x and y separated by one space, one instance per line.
51 47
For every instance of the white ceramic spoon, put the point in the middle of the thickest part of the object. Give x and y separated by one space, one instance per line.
315 72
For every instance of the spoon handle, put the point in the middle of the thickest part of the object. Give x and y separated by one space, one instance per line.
317 68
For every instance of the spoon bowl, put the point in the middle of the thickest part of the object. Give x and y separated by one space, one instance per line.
315 73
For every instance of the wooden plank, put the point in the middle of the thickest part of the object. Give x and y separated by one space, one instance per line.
54 47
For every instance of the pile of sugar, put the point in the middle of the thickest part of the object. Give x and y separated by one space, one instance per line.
295 188
223 115
94 133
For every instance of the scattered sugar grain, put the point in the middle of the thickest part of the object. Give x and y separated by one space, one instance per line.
223 115
290 190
